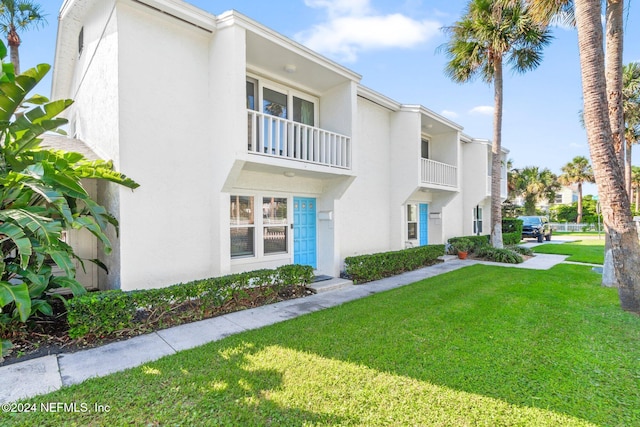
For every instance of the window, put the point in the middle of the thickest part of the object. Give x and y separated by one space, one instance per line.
242 226
275 225
412 222
424 148
303 111
251 94
80 41
477 220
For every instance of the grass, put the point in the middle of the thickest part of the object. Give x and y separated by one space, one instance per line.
475 346
587 251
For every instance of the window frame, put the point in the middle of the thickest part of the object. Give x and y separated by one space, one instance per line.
262 82
409 222
260 225
236 224
478 221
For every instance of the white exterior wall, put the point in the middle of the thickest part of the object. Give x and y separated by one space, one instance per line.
166 147
166 101
364 214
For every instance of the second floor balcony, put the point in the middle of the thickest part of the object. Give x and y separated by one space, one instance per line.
273 136
437 173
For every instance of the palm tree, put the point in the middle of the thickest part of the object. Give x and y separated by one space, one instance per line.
616 212
18 15
535 185
578 171
488 35
631 109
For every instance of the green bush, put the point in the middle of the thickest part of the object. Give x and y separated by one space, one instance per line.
511 231
366 268
478 241
499 255
111 313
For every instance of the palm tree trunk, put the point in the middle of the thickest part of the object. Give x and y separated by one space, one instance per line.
627 167
613 74
13 40
614 40
579 219
496 164
625 248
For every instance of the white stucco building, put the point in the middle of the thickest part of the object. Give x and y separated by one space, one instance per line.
252 151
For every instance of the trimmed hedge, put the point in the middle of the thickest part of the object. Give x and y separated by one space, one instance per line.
511 231
366 268
478 241
110 313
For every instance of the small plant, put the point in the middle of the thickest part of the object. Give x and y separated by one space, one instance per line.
462 245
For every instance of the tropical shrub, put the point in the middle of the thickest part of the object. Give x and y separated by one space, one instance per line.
366 268
499 255
109 313
41 196
521 250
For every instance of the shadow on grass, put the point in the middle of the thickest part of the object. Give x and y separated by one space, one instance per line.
544 339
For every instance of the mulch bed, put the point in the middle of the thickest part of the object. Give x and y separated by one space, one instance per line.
47 335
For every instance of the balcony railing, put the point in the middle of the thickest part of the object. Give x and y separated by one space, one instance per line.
277 137
439 173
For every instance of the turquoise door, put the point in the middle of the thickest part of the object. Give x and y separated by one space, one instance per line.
424 228
304 231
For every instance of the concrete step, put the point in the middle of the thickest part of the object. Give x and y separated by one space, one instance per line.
330 285
446 258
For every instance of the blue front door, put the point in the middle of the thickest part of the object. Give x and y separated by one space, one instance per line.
304 231
423 225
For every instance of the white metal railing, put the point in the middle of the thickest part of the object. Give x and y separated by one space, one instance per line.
277 137
433 172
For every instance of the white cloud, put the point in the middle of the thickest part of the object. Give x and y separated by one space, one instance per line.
341 7
482 109
450 114
353 26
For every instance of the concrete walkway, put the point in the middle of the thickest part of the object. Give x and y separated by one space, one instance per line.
50 373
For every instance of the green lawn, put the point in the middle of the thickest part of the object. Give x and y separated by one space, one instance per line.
483 345
589 251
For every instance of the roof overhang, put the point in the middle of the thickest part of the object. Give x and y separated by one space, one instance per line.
274 55
431 122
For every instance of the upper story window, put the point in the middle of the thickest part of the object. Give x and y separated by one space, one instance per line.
276 100
424 148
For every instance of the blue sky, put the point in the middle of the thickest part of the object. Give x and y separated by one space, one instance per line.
393 45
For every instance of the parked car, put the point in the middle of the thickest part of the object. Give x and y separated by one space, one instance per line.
536 227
